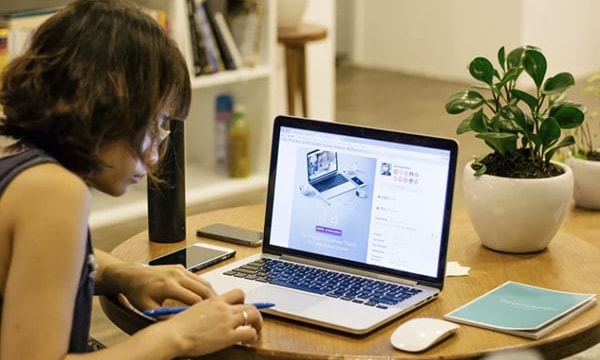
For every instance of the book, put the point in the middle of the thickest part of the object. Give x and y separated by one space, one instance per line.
236 57
523 310
208 38
199 56
159 15
3 48
219 38
218 5
245 21
3 54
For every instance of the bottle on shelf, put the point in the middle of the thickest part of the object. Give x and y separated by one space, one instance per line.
223 117
239 144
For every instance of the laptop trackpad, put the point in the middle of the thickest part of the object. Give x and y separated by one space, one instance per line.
285 300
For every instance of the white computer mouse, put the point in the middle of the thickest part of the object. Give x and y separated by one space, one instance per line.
420 334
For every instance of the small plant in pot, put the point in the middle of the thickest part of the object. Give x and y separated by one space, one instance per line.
523 126
584 155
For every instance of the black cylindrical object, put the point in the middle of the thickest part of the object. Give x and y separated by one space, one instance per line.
166 200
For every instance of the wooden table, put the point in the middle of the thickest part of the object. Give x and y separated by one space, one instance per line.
571 263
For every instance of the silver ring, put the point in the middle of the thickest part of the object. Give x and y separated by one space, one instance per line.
245 316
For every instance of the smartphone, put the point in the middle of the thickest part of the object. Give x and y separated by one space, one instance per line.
232 234
195 257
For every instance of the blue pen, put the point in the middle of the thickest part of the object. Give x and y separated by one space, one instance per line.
162 311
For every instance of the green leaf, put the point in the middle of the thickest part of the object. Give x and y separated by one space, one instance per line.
464 126
511 75
502 58
549 132
482 69
533 138
464 100
558 83
528 134
529 124
479 121
505 125
566 141
495 124
527 98
568 116
478 167
514 59
481 170
502 143
531 47
496 74
534 63
511 119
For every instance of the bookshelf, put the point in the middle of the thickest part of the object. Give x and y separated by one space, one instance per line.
252 87
7 7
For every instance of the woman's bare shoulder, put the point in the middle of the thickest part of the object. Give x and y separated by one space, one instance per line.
43 185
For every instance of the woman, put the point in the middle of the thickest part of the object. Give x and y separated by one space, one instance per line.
87 106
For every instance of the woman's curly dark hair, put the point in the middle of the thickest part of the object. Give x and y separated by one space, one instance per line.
96 72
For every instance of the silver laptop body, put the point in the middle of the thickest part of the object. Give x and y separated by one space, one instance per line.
386 238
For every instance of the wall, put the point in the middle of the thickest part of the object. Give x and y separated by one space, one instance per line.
568 32
438 38
321 61
343 24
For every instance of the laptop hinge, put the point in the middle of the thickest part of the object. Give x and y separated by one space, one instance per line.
348 269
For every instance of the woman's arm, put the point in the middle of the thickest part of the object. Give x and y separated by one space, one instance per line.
48 232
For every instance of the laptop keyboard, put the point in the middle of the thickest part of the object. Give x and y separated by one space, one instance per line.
369 292
326 184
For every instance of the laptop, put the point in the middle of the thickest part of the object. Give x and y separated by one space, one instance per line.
361 259
323 175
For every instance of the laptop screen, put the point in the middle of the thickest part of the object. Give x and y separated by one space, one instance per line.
321 164
394 218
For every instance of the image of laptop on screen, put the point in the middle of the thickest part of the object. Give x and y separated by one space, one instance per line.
323 174
365 257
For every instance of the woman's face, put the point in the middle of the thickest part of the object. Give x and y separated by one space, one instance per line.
123 167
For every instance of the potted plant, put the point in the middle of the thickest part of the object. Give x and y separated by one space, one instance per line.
584 156
516 195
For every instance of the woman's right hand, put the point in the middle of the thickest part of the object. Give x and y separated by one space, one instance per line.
216 323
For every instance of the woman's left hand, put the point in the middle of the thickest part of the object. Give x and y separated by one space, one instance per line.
155 284
147 287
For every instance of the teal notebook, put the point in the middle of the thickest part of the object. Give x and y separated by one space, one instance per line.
522 310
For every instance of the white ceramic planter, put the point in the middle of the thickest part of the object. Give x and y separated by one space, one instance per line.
517 215
586 174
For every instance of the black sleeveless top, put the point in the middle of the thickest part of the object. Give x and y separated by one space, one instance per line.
10 167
